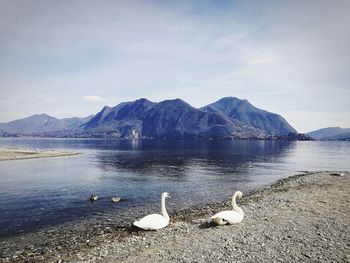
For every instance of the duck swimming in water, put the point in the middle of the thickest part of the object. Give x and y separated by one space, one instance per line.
93 198
116 199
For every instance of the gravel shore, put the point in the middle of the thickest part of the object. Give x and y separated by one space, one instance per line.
304 218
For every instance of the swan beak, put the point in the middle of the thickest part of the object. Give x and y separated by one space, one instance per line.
169 196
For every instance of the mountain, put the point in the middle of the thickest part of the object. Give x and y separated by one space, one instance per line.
166 119
243 111
126 114
228 118
41 124
331 134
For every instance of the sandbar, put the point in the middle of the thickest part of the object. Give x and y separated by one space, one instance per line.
20 154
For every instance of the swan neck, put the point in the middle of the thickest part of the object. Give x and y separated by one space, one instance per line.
164 212
234 205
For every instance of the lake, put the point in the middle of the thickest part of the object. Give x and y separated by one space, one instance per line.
41 193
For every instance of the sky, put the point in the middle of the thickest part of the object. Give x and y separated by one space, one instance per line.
70 58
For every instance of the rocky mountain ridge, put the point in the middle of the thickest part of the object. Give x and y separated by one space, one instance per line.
228 118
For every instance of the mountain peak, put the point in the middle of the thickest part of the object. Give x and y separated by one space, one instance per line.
142 101
229 98
175 102
235 100
43 115
243 111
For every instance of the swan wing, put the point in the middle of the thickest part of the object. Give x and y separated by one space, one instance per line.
227 217
152 222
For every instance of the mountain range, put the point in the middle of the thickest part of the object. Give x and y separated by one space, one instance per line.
331 134
227 118
41 124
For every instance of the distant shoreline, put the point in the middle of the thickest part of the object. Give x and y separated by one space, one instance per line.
287 137
22 154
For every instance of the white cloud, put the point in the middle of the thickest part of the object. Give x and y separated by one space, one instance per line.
94 98
265 51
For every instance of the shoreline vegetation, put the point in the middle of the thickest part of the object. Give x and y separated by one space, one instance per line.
21 154
109 136
301 218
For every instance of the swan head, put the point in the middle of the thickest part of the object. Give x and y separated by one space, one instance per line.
239 194
166 195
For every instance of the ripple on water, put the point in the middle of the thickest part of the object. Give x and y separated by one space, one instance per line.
45 192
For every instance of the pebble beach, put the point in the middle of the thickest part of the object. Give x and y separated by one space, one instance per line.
303 218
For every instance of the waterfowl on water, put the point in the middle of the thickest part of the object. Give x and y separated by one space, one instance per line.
155 221
93 197
232 216
116 199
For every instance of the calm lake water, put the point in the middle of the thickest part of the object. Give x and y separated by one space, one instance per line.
44 192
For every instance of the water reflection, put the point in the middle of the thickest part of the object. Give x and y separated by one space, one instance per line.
178 158
43 192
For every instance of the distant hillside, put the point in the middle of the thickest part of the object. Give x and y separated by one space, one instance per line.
228 118
344 136
166 119
331 134
243 111
40 124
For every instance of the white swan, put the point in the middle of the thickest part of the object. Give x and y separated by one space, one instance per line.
230 217
155 221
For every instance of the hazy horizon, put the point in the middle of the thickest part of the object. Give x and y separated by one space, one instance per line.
70 58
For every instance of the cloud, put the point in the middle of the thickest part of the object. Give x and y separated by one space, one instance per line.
94 98
263 51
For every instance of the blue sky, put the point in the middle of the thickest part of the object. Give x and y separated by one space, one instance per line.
70 58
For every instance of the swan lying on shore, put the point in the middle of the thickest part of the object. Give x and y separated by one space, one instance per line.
155 221
230 217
